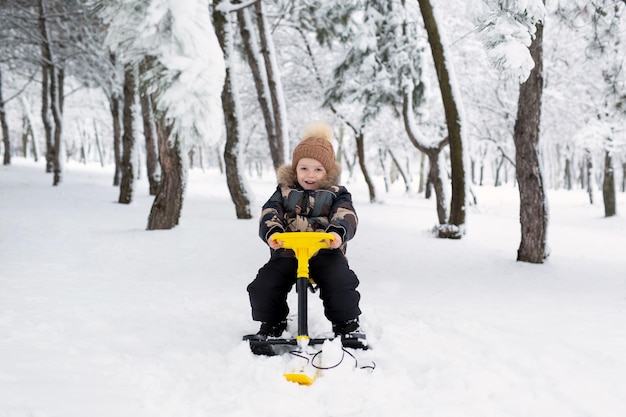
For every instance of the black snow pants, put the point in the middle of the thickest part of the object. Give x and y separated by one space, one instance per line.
330 271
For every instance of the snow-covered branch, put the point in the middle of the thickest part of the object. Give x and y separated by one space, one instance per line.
507 28
229 7
179 35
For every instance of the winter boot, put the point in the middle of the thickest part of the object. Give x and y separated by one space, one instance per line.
346 327
351 334
267 330
272 329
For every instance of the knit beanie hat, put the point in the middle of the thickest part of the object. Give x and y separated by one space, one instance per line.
316 144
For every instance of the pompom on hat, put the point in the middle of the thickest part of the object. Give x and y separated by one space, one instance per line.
316 144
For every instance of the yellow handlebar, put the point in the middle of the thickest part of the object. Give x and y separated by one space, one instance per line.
305 245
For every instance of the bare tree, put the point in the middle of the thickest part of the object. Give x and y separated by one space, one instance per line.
232 117
54 76
524 20
259 53
272 68
534 213
454 228
432 150
607 45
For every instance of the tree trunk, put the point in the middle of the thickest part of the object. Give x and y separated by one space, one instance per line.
568 174
56 101
25 136
98 143
422 182
52 91
360 150
29 131
432 150
608 186
5 128
275 86
533 200
587 176
149 131
405 177
46 74
168 203
114 105
45 116
387 175
127 184
116 116
230 105
455 228
436 181
250 47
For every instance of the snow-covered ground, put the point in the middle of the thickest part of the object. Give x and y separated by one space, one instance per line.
99 317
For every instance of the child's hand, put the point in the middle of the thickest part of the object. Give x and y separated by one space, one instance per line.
336 242
274 244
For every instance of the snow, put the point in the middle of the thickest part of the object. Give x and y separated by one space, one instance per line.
507 29
99 317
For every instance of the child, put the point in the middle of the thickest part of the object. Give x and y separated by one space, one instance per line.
308 199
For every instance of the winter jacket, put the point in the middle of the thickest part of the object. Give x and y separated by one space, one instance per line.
294 209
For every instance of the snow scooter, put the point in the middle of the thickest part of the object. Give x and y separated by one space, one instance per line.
305 245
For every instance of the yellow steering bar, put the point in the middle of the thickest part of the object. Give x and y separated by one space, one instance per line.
305 245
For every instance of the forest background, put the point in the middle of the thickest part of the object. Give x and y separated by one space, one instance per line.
429 93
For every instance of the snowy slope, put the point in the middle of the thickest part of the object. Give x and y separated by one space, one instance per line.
99 317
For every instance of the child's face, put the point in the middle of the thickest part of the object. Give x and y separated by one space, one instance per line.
309 173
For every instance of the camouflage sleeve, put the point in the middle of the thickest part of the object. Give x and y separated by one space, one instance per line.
272 216
343 218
